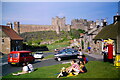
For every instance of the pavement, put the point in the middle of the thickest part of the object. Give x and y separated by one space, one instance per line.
97 57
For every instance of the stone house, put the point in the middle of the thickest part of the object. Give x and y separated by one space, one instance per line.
111 31
10 40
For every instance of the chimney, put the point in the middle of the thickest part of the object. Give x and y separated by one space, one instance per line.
17 27
10 24
116 18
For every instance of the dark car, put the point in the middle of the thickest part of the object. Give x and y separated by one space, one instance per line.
68 53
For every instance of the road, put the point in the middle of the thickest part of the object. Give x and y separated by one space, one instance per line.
7 69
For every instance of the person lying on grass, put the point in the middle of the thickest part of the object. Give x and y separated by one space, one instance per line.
24 70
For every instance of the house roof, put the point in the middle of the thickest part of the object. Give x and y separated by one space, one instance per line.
10 33
110 31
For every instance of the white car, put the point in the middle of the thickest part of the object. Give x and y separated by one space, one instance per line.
38 55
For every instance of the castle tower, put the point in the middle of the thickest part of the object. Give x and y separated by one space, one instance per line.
17 27
59 24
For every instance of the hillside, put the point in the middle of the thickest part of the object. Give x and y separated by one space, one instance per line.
44 36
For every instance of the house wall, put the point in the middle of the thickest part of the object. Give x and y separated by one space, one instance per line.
16 45
6 45
0 39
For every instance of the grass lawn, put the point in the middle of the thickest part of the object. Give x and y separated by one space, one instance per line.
96 69
51 47
49 56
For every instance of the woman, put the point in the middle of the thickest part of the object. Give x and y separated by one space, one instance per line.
74 67
82 68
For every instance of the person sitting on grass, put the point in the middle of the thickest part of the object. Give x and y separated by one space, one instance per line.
80 57
62 73
85 59
24 70
30 67
83 69
74 67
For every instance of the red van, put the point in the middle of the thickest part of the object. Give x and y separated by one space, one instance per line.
19 57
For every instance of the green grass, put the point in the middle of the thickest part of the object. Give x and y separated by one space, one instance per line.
49 56
96 69
51 47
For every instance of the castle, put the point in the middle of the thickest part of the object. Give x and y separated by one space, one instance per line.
58 24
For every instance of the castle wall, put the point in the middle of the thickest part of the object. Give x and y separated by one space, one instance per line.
58 24
34 28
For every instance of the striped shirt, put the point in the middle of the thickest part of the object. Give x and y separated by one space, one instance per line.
76 66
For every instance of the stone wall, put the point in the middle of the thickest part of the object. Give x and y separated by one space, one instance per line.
0 39
58 24
6 48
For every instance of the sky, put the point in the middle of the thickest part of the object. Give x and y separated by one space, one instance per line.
41 13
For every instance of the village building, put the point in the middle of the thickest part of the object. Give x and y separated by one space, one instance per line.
10 40
111 32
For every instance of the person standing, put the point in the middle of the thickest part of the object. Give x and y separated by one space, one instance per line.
89 50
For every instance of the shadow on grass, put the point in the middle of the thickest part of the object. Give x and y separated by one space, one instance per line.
35 69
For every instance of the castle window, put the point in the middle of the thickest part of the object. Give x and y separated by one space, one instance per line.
3 41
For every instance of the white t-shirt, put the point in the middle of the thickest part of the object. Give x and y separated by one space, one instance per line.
80 53
25 68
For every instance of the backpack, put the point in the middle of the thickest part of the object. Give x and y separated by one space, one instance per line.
29 68
87 59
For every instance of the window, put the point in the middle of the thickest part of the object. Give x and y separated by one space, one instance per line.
24 54
16 42
15 55
3 41
11 55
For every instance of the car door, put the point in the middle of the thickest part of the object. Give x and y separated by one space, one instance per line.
69 54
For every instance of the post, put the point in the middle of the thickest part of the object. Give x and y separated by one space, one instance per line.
110 53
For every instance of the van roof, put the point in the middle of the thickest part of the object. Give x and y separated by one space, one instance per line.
20 52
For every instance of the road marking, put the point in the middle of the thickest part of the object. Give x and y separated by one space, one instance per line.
66 62
3 63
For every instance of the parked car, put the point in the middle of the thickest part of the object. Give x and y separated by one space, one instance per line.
20 57
68 53
38 55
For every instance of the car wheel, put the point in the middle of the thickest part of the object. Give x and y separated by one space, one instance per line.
59 59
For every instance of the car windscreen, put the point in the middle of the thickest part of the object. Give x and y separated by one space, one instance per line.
14 55
61 52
